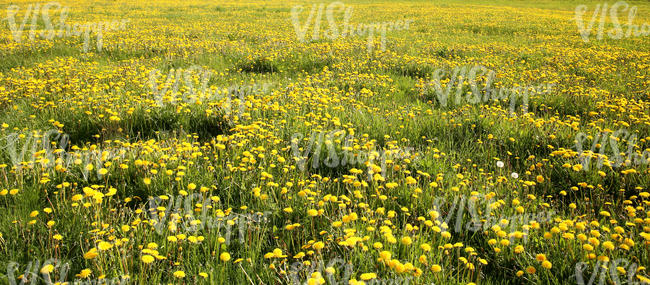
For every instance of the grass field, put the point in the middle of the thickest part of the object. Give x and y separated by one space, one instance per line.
251 142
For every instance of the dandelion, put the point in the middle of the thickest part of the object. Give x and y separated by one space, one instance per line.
318 245
84 273
436 268
312 213
277 253
531 270
47 269
147 259
92 253
368 276
104 245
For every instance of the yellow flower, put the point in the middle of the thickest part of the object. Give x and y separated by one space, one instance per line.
179 274
519 249
547 264
410 180
92 253
540 179
385 255
147 259
531 270
224 257
608 245
319 245
104 245
84 273
368 276
47 269
355 282
436 268
277 253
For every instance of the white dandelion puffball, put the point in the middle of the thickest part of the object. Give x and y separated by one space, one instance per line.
514 175
500 164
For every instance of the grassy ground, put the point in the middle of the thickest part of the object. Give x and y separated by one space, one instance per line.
106 176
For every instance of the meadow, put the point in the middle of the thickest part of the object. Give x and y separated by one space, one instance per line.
305 142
